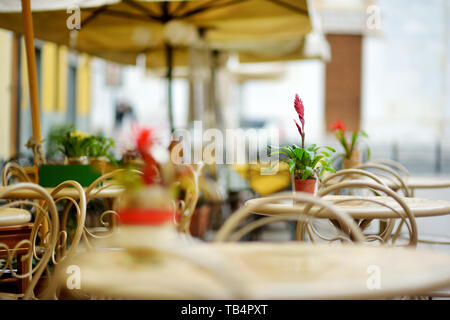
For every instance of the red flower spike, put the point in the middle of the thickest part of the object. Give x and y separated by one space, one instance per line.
298 105
337 125
299 128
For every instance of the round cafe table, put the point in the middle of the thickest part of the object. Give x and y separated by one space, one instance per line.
254 270
422 182
360 209
412 182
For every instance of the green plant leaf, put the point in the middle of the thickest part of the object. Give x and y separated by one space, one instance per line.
364 134
276 152
307 173
316 160
291 165
355 136
299 152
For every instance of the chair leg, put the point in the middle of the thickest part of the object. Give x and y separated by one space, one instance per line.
23 267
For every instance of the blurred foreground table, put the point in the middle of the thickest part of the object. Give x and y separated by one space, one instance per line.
261 271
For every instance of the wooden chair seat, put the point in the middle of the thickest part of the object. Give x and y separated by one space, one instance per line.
14 216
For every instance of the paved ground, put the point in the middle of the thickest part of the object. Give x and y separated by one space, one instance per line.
438 226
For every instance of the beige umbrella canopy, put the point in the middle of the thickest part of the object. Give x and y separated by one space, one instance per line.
162 30
121 30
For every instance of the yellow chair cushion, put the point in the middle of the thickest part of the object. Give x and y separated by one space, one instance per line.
13 216
261 181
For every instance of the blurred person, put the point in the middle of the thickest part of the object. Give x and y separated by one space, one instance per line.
124 111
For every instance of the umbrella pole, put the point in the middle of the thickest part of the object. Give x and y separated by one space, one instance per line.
169 57
34 96
32 74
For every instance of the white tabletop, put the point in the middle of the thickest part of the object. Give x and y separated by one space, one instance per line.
360 209
423 182
264 271
412 182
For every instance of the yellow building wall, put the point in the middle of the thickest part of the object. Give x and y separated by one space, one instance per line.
62 76
5 93
49 76
53 95
54 77
83 85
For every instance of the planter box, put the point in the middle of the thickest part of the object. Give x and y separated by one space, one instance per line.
51 175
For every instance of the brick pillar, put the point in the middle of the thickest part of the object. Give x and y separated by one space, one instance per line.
343 81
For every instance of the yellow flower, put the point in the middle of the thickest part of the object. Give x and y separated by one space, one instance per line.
79 134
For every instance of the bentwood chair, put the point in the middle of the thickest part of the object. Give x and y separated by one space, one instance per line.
233 231
38 245
189 183
391 176
13 173
107 219
385 198
346 175
397 166
69 237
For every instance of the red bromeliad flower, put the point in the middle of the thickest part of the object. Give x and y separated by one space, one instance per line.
337 125
298 128
144 141
299 108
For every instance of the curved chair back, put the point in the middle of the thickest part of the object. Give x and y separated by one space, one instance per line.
401 169
78 201
394 179
13 172
102 184
41 246
228 230
348 174
398 207
189 182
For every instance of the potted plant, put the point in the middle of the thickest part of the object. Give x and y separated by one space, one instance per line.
99 154
74 145
351 155
146 214
305 162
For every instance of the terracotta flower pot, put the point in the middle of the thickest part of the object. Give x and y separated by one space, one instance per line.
100 164
307 185
354 160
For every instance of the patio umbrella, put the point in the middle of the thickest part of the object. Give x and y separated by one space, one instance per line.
122 30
